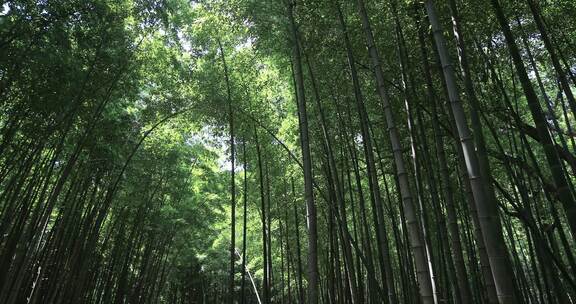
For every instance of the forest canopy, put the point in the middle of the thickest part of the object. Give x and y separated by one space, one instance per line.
287 151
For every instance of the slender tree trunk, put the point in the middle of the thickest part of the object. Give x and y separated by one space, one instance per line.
487 210
265 287
335 186
414 229
565 195
298 250
376 197
307 163
269 230
232 181
244 223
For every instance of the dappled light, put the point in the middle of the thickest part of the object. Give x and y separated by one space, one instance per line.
294 151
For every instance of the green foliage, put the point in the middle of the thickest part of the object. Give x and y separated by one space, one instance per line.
115 147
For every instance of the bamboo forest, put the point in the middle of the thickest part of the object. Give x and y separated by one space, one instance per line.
287 151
